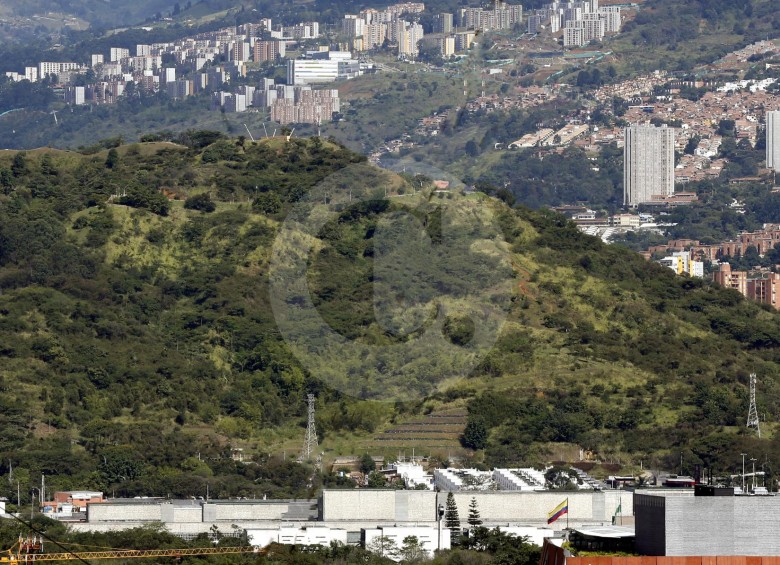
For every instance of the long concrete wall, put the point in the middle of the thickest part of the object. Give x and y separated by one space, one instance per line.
265 510
198 511
359 507
532 508
129 512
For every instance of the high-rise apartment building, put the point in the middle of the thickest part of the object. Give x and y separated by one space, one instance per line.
574 35
648 163
773 139
48 68
268 51
408 38
502 16
118 53
534 23
353 26
443 23
594 27
447 46
374 35
238 51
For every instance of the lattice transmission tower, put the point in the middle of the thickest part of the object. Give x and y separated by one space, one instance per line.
310 443
752 419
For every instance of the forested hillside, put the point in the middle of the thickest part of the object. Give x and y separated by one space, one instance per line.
138 343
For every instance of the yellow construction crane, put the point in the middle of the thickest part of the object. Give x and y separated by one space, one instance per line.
29 550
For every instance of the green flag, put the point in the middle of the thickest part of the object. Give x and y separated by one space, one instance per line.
618 510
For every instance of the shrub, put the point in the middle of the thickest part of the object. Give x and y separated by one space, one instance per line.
200 202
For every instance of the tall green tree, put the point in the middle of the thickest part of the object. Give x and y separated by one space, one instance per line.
19 166
112 159
475 435
452 519
367 464
474 518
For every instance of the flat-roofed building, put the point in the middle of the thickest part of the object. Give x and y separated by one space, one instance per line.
727 278
773 139
648 163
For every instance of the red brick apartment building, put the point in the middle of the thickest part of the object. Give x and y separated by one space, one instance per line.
763 240
763 287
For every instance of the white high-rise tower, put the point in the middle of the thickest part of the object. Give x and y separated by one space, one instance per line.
648 163
773 140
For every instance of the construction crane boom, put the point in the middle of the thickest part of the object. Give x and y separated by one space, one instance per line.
124 554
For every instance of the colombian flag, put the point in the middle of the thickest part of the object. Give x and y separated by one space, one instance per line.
558 511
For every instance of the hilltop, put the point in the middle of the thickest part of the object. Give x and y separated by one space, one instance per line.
151 320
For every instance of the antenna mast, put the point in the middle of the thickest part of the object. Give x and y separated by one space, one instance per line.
310 442
752 419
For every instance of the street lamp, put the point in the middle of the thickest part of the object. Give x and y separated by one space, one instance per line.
743 472
439 516
754 473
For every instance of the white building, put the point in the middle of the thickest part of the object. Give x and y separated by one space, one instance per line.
327 66
48 68
408 38
535 23
374 35
773 139
572 14
168 75
447 46
555 23
353 26
535 536
290 535
452 480
648 163
413 474
681 262
431 539
306 30
308 71
573 36
443 23
612 18
74 95
118 53
594 26
527 479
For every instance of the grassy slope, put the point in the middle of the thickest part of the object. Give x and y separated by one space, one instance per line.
585 321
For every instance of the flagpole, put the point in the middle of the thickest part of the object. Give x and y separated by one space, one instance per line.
567 512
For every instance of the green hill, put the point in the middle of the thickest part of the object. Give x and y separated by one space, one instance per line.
146 329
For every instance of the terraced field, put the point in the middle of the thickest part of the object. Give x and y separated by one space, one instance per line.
437 430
